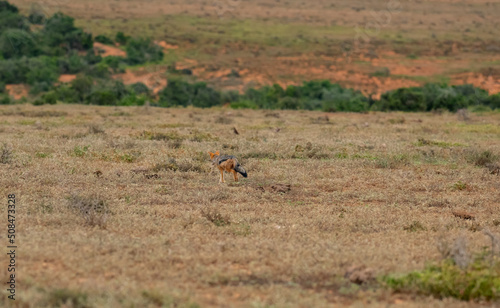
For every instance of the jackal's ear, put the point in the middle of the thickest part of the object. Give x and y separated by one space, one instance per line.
217 153
211 154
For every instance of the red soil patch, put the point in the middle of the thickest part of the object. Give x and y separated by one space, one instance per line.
155 80
106 50
166 46
17 91
488 83
65 78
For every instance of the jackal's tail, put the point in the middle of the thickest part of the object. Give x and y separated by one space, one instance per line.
240 170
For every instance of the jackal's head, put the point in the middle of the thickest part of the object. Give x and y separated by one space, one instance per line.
213 155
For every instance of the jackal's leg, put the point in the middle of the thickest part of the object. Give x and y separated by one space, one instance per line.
235 175
221 176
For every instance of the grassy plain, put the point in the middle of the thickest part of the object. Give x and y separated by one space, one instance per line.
119 207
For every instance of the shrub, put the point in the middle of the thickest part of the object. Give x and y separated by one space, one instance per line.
36 17
494 101
6 154
104 40
92 208
289 103
133 100
60 32
50 98
114 63
5 100
181 93
339 99
12 20
91 58
72 64
2 88
109 93
140 51
5 6
244 104
140 88
403 99
66 94
99 70
229 97
481 158
42 69
15 43
479 280
65 297
39 87
121 38
82 86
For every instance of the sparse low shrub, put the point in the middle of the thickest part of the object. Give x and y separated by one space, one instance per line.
223 120
481 158
92 208
392 162
67 298
479 281
80 151
381 72
215 217
171 135
5 154
414 227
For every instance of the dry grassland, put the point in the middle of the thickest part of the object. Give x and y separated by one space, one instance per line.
119 207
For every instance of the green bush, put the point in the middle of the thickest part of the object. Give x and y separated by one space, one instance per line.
229 96
37 17
479 281
140 88
15 43
72 64
403 99
244 104
494 101
12 20
39 87
82 86
67 94
99 70
289 103
5 100
114 64
5 6
42 69
121 38
133 100
104 40
47 98
181 93
2 88
60 32
141 50
107 93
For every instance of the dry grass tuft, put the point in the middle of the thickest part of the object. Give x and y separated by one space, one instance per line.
93 209
215 217
6 155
